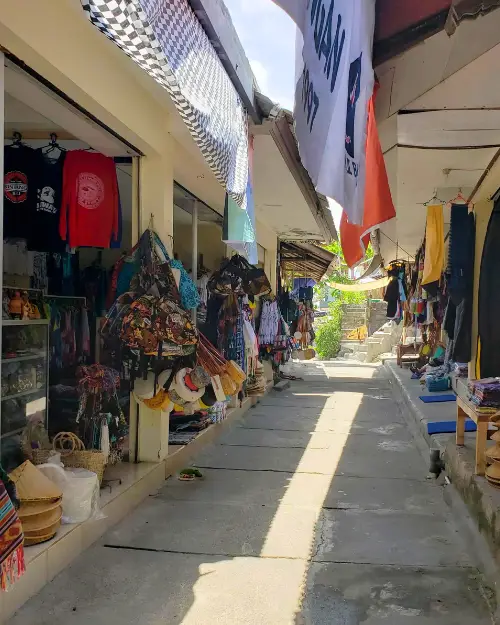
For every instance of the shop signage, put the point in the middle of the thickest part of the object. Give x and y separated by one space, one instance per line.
169 43
335 84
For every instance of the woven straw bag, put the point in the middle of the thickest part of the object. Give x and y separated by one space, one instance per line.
229 386
236 372
75 456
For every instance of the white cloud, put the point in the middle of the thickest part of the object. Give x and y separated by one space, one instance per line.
261 75
257 6
271 57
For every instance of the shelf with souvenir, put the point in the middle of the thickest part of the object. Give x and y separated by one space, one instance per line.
24 380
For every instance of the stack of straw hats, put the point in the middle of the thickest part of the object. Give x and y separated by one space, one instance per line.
40 511
256 384
493 459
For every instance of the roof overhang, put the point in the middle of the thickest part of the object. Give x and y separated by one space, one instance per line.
444 141
285 197
402 24
306 259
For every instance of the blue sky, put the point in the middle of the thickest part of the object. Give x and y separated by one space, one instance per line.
268 37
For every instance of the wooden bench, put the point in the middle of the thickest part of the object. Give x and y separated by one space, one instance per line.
464 410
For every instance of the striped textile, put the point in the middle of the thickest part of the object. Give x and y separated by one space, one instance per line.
11 542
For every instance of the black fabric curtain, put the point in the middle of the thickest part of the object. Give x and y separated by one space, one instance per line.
462 248
489 299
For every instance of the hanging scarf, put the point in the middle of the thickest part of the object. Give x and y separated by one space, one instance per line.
190 298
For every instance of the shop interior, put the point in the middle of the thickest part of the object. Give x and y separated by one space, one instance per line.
55 291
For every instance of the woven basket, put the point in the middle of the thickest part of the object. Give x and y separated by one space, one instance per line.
41 456
309 354
75 456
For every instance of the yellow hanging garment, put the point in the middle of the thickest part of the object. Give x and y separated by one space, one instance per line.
434 245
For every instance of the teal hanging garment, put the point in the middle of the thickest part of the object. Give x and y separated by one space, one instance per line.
190 298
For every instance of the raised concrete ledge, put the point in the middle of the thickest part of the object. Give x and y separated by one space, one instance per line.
138 481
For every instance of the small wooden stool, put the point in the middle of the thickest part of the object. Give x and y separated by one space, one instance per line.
464 410
410 353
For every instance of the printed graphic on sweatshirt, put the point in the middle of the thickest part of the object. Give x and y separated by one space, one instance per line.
90 190
46 200
16 187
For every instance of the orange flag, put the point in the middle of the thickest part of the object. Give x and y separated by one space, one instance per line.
378 200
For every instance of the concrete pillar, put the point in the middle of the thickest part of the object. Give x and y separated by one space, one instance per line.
268 239
156 195
483 212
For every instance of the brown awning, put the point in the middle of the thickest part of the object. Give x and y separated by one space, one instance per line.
305 260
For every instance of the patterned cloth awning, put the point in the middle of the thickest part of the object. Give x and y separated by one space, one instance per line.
165 38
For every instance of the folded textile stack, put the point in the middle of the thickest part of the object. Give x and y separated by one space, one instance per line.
461 369
485 394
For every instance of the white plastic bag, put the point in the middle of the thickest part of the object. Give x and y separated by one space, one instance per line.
80 490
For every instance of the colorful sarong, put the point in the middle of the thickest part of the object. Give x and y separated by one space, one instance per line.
11 542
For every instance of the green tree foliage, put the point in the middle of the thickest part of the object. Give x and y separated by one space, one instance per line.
329 332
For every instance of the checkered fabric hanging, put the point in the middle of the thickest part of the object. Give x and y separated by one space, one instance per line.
165 38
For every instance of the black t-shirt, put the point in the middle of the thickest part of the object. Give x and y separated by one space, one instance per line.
19 190
44 231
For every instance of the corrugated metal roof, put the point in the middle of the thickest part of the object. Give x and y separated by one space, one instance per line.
305 259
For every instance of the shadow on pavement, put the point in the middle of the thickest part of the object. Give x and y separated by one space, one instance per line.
314 510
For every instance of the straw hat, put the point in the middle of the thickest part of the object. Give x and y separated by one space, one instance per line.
183 391
145 389
41 522
33 508
41 536
493 453
29 541
199 377
32 485
163 377
176 399
496 436
493 473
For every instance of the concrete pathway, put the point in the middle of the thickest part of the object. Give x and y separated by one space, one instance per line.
314 510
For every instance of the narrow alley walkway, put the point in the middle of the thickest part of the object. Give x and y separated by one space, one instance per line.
314 510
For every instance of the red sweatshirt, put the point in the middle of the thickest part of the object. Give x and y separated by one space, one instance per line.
89 211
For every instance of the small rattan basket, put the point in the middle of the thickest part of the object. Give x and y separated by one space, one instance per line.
75 456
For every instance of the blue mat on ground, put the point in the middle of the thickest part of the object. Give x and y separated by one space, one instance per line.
449 427
437 399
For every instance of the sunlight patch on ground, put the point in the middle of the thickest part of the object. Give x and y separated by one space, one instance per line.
362 373
267 591
324 461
